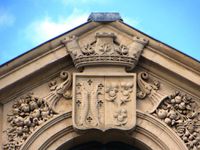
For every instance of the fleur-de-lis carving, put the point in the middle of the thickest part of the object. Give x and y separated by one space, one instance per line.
105 48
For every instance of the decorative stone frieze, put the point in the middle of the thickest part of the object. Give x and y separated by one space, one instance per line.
182 114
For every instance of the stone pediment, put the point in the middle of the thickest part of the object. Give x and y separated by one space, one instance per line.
134 71
156 56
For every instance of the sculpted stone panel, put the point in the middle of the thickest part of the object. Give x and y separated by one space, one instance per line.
27 114
151 90
107 99
104 94
104 101
30 111
182 114
59 90
105 50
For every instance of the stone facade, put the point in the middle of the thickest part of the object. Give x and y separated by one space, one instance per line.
103 81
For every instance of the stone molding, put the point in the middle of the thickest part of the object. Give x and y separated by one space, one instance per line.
114 53
143 133
46 126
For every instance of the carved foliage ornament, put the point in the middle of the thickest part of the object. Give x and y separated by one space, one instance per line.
182 114
27 114
31 111
150 90
105 49
59 90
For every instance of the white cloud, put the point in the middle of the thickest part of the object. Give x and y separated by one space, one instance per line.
6 19
75 2
42 30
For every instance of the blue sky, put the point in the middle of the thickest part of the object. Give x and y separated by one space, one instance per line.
24 24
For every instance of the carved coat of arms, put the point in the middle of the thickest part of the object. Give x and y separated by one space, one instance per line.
104 99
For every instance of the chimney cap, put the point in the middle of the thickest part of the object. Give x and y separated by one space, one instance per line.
104 17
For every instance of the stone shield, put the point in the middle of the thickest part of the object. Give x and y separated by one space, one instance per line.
104 101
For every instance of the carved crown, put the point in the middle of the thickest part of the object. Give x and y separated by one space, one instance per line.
105 50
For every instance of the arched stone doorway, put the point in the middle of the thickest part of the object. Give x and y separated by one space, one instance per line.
111 140
149 134
108 146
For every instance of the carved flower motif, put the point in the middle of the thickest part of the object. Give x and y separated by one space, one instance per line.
126 89
181 113
112 90
53 85
27 113
120 117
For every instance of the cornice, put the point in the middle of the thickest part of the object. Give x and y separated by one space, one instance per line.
160 47
43 49
164 55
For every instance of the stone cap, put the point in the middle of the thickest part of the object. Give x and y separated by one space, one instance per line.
104 17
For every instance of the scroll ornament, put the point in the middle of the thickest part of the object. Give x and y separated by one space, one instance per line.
58 91
30 111
151 90
182 114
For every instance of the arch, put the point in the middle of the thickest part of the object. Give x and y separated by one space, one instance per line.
150 134
101 146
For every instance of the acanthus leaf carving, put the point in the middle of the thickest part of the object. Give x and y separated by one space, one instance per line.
58 91
182 114
151 90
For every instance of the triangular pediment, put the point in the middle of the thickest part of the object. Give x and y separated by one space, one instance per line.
42 82
155 57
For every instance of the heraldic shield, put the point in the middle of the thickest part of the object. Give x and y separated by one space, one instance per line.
104 101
